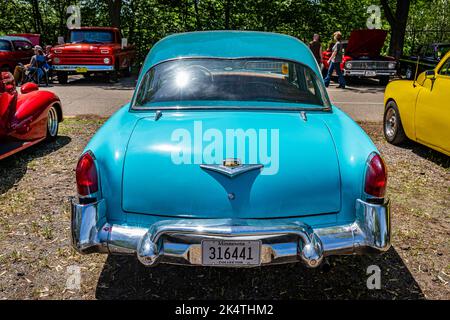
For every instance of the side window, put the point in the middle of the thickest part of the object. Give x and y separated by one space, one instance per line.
429 52
445 69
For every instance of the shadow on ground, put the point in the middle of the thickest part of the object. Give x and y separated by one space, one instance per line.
123 277
13 168
124 83
427 153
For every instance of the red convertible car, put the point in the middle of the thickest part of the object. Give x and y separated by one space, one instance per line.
27 118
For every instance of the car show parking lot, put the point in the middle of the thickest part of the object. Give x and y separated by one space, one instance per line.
35 222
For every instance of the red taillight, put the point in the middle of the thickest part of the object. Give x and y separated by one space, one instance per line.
87 180
376 177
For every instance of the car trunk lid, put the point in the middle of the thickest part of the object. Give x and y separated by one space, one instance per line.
162 173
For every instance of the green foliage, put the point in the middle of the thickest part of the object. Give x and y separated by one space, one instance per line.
146 21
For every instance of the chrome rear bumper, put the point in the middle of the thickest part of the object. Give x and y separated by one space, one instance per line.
179 241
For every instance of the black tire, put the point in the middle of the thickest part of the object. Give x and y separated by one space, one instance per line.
127 71
62 77
384 80
114 76
5 68
52 124
392 125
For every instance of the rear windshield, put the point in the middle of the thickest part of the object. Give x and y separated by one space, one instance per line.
254 80
91 36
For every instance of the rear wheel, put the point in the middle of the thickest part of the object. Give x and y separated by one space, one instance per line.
127 71
62 77
5 68
392 125
52 124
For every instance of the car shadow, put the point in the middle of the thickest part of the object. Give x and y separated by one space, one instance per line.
123 277
427 153
124 83
13 168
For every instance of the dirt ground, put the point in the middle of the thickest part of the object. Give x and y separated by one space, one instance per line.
35 250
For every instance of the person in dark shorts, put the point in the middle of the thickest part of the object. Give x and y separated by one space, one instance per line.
316 48
335 62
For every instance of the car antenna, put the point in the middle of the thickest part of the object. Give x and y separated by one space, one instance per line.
417 70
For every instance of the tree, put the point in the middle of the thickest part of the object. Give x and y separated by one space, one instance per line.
398 22
115 7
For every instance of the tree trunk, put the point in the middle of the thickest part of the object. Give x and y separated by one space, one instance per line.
398 23
197 16
115 7
227 14
37 16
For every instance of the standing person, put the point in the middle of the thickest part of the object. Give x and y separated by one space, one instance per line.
335 62
316 48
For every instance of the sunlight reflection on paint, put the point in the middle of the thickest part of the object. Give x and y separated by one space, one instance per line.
166 148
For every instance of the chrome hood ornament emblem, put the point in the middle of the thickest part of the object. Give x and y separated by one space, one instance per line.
231 167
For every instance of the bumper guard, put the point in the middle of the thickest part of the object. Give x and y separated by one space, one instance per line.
179 241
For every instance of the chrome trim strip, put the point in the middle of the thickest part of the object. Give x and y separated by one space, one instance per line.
225 108
324 92
65 67
178 241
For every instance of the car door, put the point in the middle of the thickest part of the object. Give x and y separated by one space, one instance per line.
432 117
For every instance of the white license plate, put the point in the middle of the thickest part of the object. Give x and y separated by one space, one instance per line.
371 73
231 252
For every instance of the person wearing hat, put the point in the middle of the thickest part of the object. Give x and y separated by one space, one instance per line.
37 61
335 61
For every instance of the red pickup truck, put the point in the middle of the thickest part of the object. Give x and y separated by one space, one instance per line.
14 50
92 50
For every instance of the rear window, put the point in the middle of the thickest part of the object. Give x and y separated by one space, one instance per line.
256 80
22 45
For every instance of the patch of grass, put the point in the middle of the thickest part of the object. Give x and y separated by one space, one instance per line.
47 232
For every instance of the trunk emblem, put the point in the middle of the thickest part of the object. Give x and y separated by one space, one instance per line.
231 167
231 163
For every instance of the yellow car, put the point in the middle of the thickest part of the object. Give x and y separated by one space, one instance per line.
420 110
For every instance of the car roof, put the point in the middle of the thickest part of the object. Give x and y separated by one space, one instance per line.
14 38
229 44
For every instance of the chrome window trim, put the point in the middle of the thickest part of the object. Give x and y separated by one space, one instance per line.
326 99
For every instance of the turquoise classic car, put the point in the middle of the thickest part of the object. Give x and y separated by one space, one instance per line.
230 154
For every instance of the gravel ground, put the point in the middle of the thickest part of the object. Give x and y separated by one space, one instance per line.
35 251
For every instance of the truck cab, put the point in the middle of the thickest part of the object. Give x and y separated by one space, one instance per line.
93 50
